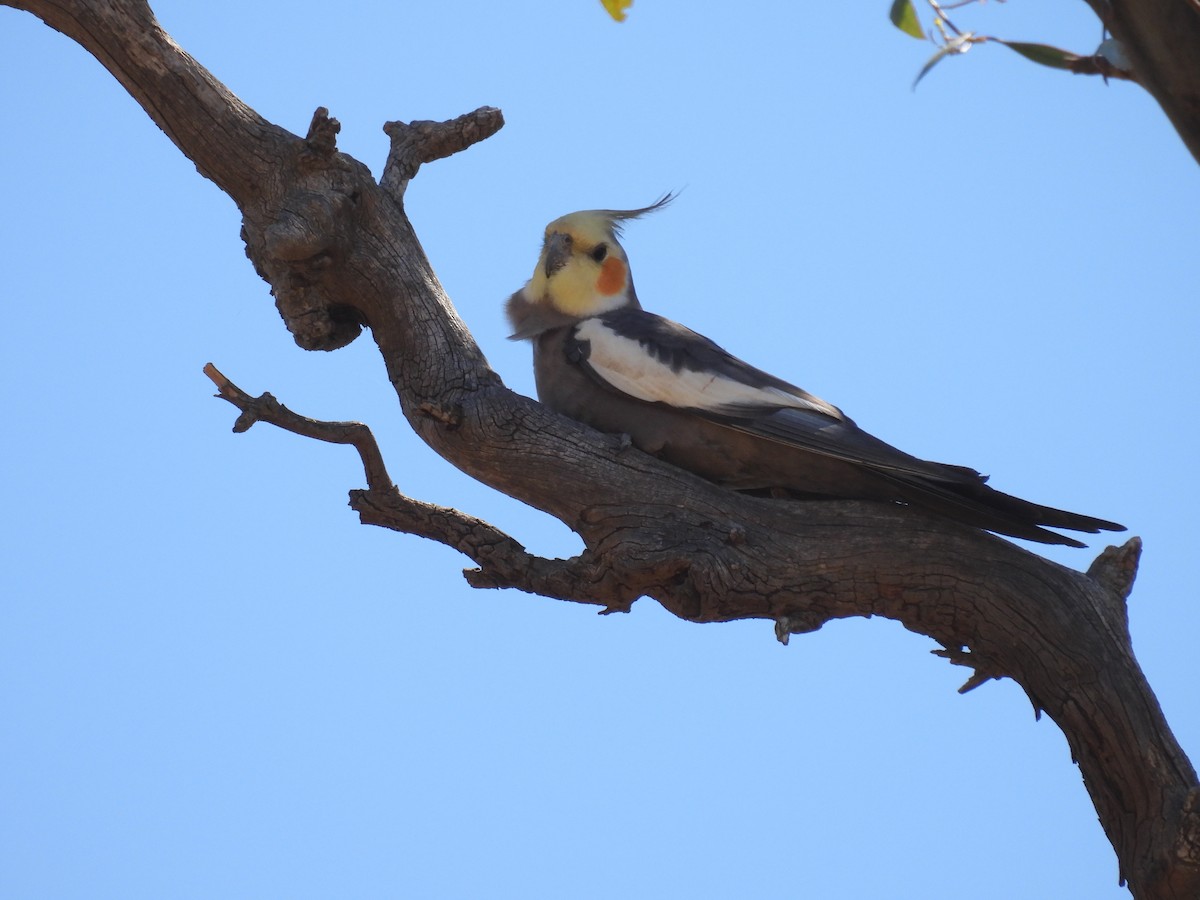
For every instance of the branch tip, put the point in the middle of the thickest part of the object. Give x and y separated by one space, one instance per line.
216 376
1116 568
980 677
265 408
419 142
963 656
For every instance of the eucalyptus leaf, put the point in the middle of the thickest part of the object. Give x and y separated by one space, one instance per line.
904 17
1042 54
617 8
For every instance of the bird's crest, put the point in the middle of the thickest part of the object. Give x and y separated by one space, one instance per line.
594 222
616 217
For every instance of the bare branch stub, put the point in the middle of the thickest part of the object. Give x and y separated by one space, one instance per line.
416 143
1116 568
962 656
322 133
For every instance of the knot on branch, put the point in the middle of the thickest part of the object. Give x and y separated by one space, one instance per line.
299 245
697 574
311 235
415 143
313 323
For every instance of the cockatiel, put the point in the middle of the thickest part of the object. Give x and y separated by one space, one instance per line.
603 360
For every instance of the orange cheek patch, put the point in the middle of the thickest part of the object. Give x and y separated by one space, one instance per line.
612 277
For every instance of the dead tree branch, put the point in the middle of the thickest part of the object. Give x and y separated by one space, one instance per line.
340 255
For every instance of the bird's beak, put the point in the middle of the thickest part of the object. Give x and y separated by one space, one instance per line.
557 252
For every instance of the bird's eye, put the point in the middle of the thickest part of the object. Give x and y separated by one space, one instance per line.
600 252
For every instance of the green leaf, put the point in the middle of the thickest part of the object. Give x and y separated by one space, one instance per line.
904 17
1043 54
616 8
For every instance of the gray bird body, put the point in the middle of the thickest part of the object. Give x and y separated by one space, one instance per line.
604 361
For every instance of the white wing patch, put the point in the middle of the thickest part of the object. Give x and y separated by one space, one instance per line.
628 367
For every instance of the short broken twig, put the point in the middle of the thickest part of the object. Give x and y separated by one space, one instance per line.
415 143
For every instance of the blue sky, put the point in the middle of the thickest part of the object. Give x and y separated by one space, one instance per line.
215 683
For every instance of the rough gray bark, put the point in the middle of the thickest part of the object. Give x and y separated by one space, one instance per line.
340 254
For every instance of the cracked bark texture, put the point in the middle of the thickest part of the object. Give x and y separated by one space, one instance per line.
340 256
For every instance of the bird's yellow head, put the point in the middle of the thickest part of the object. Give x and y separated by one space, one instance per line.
582 271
